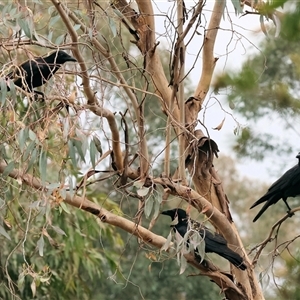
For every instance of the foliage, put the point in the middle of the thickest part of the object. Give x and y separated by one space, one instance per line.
267 85
54 251
290 288
115 137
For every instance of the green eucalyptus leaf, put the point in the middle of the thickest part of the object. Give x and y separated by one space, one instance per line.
10 166
40 245
4 233
148 207
43 165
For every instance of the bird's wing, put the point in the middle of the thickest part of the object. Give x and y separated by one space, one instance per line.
215 243
278 189
293 189
286 179
22 68
213 240
22 75
42 66
295 180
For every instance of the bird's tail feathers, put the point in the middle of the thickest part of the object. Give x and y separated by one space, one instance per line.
261 200
264 208
234 258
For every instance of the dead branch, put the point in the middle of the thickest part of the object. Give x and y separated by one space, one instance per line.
270 237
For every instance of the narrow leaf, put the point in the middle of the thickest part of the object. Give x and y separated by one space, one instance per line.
219 127
50 35
76 27
53 20
12 89
98 145
22 137
71 186
33 158
26 27
72 152
40 244
78 145
43 165
58 230
32 135
237 6
9 168
166 245
156 207
174 222
4 233
93 153
148 207
33 288
277 23
160 192
112 26
139 184
183 264
262 25
29 150
143 191
59 39
201 250
3 91
64 207
21 281
267 281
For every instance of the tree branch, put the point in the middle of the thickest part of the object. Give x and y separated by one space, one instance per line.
144 25
62 10
208 62
224 282
220 222
66 15
263 244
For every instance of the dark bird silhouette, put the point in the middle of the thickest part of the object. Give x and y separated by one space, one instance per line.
288 185
214 242
36 72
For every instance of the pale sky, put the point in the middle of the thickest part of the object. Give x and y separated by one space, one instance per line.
236 40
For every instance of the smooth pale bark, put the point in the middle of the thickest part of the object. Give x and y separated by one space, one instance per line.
231 291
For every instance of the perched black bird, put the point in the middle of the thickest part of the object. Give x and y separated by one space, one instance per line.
288 185
213 242
36 72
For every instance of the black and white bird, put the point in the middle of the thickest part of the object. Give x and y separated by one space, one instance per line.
37 71
214 242
288 185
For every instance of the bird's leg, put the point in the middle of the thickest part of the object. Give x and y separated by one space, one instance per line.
289 209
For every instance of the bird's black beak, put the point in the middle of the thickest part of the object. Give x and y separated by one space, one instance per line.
167 213
298 155
67 57
71 58
173 216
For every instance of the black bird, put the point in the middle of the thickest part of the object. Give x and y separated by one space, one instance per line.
214 242
288 185
36 72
